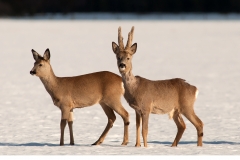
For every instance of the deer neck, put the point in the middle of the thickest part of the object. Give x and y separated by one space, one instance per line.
130 81
50 82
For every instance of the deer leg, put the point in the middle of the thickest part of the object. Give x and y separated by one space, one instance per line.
65 115
145 118
111 118
138 122
62 126
181 127
192 117
125 116
70 123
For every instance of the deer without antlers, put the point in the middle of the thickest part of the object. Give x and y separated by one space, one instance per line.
81 91
173 96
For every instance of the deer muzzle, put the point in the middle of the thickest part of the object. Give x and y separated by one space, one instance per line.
122 66
32 72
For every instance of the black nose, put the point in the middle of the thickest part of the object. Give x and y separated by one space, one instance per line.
121 65
32 72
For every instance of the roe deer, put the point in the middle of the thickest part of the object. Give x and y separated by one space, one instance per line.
68 93
173 96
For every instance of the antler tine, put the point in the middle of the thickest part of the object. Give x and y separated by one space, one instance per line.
130 38
120 39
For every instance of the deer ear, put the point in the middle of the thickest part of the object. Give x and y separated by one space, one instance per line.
35 55
115 47
46 55
134 48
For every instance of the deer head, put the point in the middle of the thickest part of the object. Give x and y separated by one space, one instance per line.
42 65
124 54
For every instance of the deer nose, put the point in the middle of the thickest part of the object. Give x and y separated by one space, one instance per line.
121 65
32 72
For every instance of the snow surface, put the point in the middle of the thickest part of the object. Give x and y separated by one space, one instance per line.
204 52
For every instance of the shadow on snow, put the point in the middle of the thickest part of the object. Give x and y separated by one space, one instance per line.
37 144
195 142
154 142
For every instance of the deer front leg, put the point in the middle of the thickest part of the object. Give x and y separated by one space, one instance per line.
145 118
65 115
62 126
70 123
138 122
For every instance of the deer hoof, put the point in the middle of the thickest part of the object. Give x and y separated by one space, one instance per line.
137 145
96 143
124 143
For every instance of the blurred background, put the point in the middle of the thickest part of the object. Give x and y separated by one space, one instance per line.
32 7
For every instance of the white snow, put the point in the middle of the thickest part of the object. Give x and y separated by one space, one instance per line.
204 52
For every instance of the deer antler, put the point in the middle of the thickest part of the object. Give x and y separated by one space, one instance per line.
130 38
120 39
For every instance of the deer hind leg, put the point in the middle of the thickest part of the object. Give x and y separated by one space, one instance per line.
118 108
138 123
192 117
111 118
180 125
70 123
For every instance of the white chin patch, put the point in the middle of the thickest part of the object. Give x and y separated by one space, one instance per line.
122 69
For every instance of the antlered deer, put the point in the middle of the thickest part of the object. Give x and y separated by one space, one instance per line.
173 96
81 91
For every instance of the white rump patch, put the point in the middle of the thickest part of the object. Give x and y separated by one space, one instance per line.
196 94
122 85
170 114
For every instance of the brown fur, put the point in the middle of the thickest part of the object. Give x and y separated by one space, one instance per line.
173 96
81 91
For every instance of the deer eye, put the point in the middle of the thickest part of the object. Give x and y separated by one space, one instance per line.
127 58
40 65
118 58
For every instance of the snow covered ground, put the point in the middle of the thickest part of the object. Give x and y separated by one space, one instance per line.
204 52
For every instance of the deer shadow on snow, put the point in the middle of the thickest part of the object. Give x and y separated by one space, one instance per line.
194 142
37 144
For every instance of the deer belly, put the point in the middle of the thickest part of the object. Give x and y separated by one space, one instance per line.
80 103
160 110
